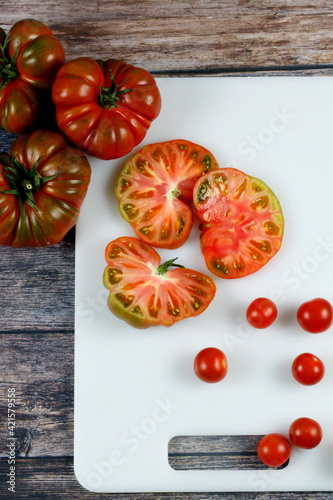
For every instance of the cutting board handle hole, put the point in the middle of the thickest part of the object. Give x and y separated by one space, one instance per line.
232 452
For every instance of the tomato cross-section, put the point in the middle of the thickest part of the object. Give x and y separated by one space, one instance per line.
145 293
154 190
242 222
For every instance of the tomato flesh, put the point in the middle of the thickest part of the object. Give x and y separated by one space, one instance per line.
154 190
242 222
143 293
274 450
261 313
305 433
308 369
315 316
210 365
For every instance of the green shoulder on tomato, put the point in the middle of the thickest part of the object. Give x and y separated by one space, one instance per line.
241 222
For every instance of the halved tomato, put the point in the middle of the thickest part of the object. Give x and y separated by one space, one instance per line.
145 293
155 187
242 222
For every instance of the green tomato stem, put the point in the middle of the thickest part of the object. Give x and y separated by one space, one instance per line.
109 96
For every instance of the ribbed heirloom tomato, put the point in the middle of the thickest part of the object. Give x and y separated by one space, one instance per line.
155 187
43 182
105 108
30 57
242 222
144 292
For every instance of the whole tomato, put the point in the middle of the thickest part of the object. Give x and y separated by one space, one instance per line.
274 450
43 182
30 57
210 365
105 108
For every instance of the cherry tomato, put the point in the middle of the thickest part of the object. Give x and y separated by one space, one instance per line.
261 313
210 365
241 222
307 369
315 316
305 433
273 450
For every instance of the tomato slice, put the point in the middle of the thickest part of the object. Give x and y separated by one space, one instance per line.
154 190
242 222
145 293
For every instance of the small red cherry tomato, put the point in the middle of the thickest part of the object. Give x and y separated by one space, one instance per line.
261 313
274 450
307 369
210 365
305 433
315 316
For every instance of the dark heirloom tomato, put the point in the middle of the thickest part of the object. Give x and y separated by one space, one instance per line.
145 293
105 108
43 183
242 222
30 59
155 189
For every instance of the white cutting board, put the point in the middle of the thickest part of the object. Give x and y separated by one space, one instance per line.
135 390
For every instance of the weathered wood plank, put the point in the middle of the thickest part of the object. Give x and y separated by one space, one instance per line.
189 35
37 287
40 369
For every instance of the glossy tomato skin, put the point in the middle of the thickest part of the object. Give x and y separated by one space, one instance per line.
154 190
39 57
315 316
210 365
305 433
102 126
143 293
57 200
261 313
242 222
308 369
274 450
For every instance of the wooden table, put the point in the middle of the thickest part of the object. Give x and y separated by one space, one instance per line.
171 38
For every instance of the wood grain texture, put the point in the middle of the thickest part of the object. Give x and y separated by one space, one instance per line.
40 369
188 35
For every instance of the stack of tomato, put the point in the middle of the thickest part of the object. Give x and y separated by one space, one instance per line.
103 109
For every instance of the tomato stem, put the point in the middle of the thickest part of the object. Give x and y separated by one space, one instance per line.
162 269
8 70
22 182
109 96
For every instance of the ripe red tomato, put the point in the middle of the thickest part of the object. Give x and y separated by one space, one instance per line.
315 316
145 293
105 108
305 433
155 187
210 365
43 183
274 450
30 61
307 369
242 222
261 313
